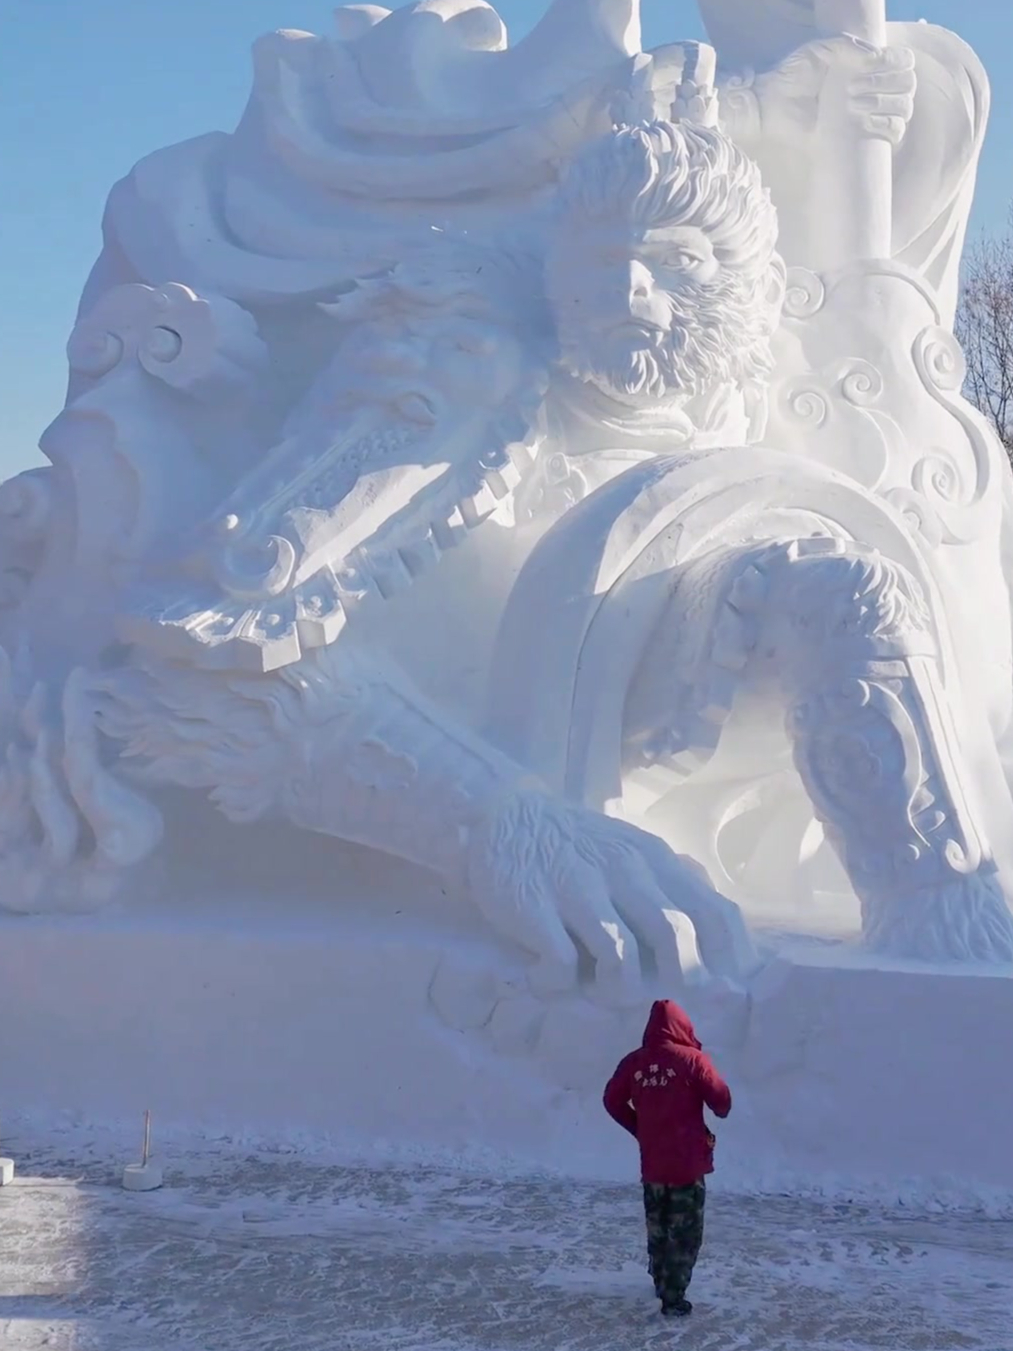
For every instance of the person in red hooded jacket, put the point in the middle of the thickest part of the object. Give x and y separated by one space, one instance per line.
658 1094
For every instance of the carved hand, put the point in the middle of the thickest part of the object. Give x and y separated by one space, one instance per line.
873 88
880 88
571 883
343 744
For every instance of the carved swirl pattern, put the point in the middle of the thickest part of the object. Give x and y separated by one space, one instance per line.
862 384
921 519
939 360
805 295
94 351
938 476
953 493
874 752
193 343
850 757
847 397
252 568
806 404
811 400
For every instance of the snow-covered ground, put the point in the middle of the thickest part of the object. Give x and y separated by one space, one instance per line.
264 1252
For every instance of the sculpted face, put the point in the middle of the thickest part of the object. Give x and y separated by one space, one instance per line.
624 312
662 272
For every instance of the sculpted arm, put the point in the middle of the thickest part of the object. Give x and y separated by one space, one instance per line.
342 744
925 94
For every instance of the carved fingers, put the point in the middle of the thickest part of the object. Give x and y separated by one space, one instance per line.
666 941
872 88
601 901
726 948
882 95
595 923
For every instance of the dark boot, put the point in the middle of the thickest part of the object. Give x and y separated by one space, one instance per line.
681 1309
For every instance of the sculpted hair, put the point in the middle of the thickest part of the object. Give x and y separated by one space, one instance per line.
663 173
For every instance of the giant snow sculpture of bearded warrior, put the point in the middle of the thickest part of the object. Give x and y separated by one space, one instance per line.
468 480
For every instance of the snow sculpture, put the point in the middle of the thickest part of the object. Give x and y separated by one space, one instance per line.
458 461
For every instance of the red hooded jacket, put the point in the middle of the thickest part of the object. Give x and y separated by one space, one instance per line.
658 1094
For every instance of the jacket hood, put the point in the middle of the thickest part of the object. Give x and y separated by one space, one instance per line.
669 1024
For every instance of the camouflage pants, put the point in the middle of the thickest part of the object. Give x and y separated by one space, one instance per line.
674 1237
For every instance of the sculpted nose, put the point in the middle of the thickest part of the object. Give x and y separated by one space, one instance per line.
625 280
639 281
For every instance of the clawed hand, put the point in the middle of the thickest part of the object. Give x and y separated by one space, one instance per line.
576 887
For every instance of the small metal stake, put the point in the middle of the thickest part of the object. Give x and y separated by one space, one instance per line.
145 1176
6 1171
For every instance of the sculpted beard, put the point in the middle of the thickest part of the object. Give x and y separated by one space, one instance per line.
716 335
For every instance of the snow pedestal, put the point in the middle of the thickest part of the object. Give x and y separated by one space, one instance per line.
855 1072
273 1024
142 1177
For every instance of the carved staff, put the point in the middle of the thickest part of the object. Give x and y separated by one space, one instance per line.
856 216
696 98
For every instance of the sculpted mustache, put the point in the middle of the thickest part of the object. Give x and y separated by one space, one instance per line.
717 333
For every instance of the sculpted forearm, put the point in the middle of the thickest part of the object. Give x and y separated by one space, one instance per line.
339 743
395 772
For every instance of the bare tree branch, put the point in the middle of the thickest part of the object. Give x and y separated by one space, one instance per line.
985 329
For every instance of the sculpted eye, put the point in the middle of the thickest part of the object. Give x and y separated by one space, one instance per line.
671 257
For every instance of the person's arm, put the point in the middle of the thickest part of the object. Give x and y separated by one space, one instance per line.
713 1089
617 1099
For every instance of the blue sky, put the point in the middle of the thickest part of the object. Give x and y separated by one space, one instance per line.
89 86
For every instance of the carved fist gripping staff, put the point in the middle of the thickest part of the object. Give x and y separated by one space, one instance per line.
863 174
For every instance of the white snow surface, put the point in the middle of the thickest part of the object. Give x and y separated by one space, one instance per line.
247 1249
849 1081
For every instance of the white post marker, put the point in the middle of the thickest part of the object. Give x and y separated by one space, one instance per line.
6 1172
144 1176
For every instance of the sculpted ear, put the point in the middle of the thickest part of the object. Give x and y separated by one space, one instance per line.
776 288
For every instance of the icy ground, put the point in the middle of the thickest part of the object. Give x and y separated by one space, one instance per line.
273 1254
